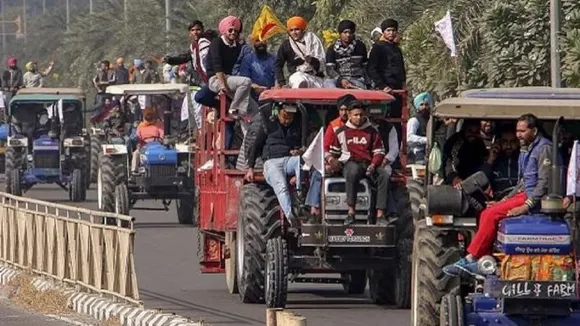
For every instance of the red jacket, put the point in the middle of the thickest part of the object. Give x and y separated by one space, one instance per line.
329 133
362 144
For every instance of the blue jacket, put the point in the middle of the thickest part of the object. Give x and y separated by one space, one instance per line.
259 68
534 170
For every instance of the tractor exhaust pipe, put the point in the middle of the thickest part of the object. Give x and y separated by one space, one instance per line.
552 203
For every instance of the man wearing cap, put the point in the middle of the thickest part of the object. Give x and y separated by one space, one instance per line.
33 77
386 67
279 143
121 73
223 55
346 59
303 55
12 77
417 129
357 148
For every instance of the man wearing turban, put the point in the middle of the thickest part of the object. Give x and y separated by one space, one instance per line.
223 55
386 66
303 55
417 129
12 77
33 77
346 59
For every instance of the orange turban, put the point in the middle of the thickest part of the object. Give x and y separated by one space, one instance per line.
296 22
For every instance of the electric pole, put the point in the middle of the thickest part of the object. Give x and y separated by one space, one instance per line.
3 28
24 29
125 13
167 24
555 64
44 7
67 15
91 7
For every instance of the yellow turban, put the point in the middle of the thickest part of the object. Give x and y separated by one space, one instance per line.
296 22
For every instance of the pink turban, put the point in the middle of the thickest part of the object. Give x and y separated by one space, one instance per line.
228 23
12 61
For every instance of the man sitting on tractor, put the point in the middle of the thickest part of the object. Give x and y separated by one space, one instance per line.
346 59
501 166
279 143
358 150
149 129
464 153
534 166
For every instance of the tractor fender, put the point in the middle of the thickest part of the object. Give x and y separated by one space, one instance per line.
114 149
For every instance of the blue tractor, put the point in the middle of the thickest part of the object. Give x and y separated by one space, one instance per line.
531 277
45 144
165 170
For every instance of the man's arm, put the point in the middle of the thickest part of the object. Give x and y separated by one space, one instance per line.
328 139
334 147
412 137
245 67
375 57
256 148
179 59
542 184
331 70
393 146
279 66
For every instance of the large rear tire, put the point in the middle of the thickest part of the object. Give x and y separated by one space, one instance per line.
417 197
77 190
13 163
451 313
122 204
258 221
88 164
276 290
113 173
434 248
185 207
95 155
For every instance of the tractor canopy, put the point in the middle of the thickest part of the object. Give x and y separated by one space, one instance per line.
324 96
76 92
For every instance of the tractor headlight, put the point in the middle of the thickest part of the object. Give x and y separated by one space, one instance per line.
74 142
18 142
362 200
487 265
332 200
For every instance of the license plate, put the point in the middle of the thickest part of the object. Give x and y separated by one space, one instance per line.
534 290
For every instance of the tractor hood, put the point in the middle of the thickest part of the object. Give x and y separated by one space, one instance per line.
155 153
45 143
4 132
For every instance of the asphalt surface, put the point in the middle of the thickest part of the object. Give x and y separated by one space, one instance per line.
11 315
169 278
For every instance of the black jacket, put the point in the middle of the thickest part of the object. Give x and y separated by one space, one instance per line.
275 141
121 76
462 159
386 66
347 66
503 174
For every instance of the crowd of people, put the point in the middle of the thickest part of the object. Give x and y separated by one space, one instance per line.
13 79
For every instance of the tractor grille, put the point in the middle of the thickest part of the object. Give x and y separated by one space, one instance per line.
162 171
47 160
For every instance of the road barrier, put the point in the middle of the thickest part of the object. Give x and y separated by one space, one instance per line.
70 244
280 317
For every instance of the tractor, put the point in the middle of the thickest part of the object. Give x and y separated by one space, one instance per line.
165 170
46 143
244 234
531 277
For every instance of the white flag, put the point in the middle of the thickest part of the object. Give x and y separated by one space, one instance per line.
2 101
445 28
573 176
314 155
50 110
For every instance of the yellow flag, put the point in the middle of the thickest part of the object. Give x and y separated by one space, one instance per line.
267 25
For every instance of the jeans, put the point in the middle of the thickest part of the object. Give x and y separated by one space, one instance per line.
276 173
313 196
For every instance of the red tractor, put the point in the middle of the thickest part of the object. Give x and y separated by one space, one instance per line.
245 235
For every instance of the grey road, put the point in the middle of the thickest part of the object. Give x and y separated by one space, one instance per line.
169 278
11 315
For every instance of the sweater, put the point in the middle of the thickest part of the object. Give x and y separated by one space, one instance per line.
222 57
386 66
359 144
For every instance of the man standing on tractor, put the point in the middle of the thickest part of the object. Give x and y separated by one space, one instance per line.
149 75
534 165
33 77
417 129
223 54
303 55
279 143
12 77
386 67
121 73
346 59
357 149
104 77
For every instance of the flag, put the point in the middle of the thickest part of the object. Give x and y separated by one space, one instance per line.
573 175
267 25
314 155
445 28
50 110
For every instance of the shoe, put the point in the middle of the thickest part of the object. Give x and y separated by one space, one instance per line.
207 166
462 267
382 221
349 219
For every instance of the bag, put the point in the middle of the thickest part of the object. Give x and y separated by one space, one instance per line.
435 160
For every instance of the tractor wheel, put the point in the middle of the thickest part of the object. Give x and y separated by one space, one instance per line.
434 248
122 205
185 207
13 163
112 173
230 264
417 196
2 163
258 221
393 285
451 313
355 282
276 290
77 191
88 164
95 155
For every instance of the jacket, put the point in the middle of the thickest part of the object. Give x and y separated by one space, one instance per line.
147 133
504 173
275 141
462 159
12 78
359 144
416 140
287 56
386 66
121 76
341 64
534 170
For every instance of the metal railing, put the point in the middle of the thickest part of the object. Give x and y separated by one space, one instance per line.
70 244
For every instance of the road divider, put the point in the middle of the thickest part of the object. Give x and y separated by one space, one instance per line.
71 245
281 317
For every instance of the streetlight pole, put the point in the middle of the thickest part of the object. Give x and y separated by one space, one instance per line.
125 13
44 7
555 64
91 7
167 24
3 27
24 29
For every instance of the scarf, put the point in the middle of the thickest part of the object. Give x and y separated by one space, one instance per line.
345 51
312 46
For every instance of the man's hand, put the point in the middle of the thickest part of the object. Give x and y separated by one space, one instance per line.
371 169
493 153
385 162
224 89
258 89
388 90
165 59
345 84
456 183
518 210
250 175
566 202
295 152
308 59
334 164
